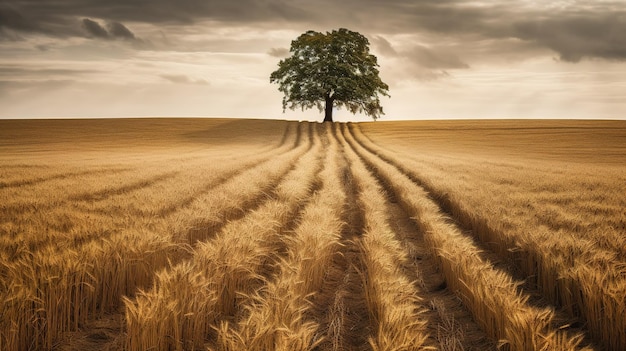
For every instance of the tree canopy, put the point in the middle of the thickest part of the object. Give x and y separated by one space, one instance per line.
331 69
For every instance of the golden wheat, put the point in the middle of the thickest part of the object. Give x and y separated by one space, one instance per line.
491 295
559 222
228 267
392 300
125 260
233 235
276 317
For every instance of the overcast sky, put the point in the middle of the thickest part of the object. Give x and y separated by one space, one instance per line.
441 58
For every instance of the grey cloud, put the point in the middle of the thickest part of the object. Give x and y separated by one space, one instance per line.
166 11
435 59
575 32
95 29
120 31
27 17
42 47
11 18
115 30
577 37
9 35
12 22
278 52
183 79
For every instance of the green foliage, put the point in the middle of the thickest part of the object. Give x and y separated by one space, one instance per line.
335 68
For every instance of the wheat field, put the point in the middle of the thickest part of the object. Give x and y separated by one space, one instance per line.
224 234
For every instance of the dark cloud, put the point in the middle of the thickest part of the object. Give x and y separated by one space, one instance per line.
12 22
95 29
278 52
577 37
573 31
118 30
166 11
18 17
183 79
11 18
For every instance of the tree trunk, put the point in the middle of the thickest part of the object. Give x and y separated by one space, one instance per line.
328 112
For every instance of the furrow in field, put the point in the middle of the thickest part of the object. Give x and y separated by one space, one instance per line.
589 292
123 189
275 317
558 198
105 270
490 294
392 302
284 138
407 300
182 198
22 204
192 176
450 324
49 223
560 320
192 299
338 304
19 181
227 205
223 165
229 202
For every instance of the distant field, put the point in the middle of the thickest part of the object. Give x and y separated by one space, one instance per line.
221 234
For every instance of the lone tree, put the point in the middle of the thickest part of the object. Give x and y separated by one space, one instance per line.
334 69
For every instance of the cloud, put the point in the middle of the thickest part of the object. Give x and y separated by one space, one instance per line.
35 73
95 29
12 22
573 30
183 79
383 46
434 58
11 18
579 36
417 61
118 30
278 52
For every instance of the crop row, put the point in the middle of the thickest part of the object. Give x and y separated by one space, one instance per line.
56 289
189 300
579 272
490 294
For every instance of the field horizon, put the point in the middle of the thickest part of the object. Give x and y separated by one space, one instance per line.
258 234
